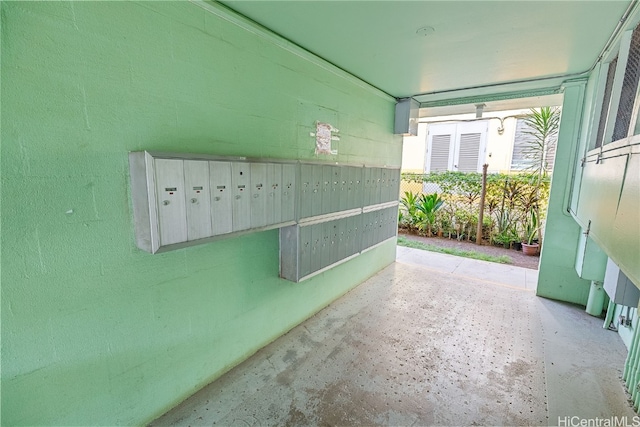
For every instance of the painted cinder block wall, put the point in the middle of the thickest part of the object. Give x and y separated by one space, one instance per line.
94 330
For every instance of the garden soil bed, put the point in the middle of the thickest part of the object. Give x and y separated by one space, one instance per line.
517 257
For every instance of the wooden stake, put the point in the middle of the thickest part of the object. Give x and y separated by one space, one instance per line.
482 196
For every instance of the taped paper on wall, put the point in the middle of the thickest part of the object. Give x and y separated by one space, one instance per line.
324 136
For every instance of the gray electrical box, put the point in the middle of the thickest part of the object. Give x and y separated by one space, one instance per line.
620 289
591 261
406 120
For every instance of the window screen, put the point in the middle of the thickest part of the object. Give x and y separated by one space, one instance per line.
606 100
629 87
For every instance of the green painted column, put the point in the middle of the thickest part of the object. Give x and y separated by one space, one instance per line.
595 303
558 278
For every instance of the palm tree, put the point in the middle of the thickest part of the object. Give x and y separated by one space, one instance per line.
543 125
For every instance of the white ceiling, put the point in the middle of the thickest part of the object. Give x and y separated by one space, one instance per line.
474 49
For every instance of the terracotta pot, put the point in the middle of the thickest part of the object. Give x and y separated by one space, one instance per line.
531 249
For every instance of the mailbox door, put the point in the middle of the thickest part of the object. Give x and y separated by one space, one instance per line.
316 200
274 194
376 181
241 190
306 190
341 252
384 185
366 186
344 179
327 188
172 216
288 192
259 194
198 195
335 188
221 197
329 243
355 187
305 250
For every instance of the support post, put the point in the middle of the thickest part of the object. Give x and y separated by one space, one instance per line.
483 193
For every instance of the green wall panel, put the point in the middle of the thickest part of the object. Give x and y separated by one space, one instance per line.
625 237
95 331
557 278
610 200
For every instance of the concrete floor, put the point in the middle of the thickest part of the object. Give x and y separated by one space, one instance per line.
430 340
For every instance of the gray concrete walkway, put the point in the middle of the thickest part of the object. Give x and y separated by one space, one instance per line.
430 340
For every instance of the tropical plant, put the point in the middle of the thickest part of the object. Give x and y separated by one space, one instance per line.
407 213
409 202
505 238
401 218
531 227
509 200
428 205
543 124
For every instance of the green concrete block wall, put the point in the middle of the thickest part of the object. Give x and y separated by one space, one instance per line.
95 331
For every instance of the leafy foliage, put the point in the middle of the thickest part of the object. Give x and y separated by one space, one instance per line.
543 124
453 210
531 226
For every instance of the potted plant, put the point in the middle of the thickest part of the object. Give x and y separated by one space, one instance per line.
531 228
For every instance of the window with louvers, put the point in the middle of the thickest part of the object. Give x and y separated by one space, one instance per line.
440 147
520 160
469 151
606 101
629 87
523 158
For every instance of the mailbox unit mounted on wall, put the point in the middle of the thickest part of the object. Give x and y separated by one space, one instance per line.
326 213
181 200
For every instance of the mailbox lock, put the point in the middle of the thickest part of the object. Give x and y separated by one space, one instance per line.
165 202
